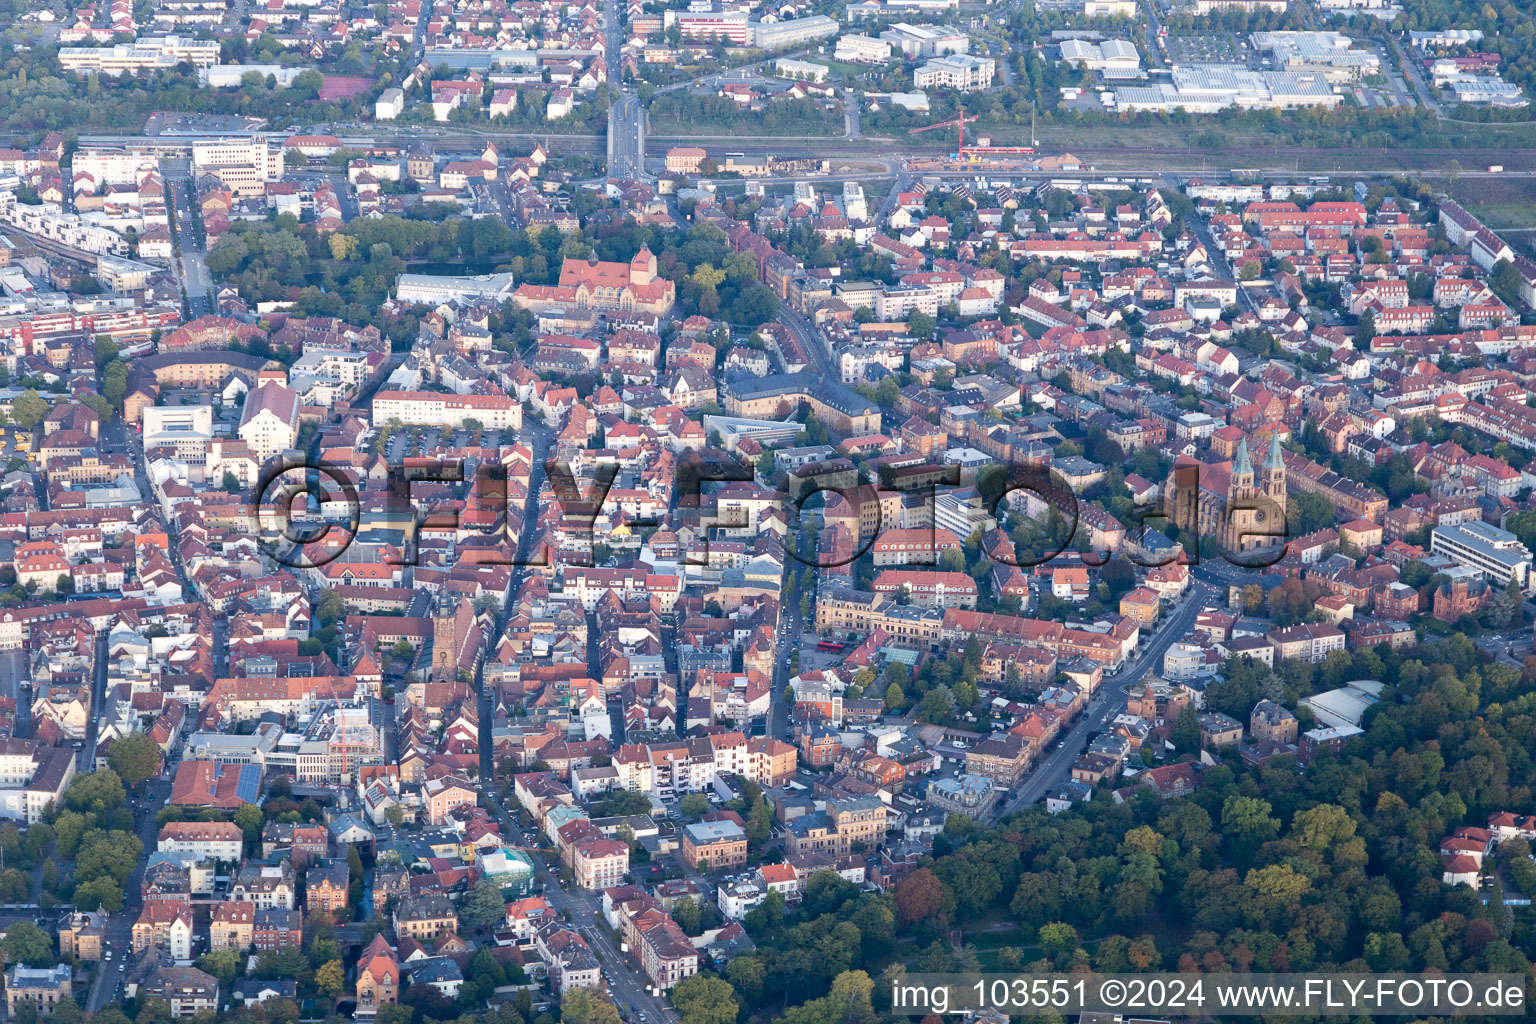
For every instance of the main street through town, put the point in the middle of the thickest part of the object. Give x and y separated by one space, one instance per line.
1055 768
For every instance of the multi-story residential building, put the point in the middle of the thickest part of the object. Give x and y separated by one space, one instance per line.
1269 722
956 71
599 864
266 885
666 955
325 888
34 778
1001 757
932 589
187 990
1219 730
215 840
572 964
913 546
719 844
378 978
44 987
80 935
425 917
433 409
165 924
837 830
445 794
1310 641
274 928
232 925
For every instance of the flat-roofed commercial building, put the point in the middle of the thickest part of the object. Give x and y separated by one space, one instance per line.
1497 554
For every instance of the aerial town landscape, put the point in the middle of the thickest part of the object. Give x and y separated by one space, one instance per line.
693 511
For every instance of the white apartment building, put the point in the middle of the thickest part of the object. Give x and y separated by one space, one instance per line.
862 50
269 423
778 35
600 864
219 840
323 375
389 105
426 408
50 221
147 53
926 40
116 165
727 26
956 71
1109 8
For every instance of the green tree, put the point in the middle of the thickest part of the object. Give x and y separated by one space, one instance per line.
485 906
135 757
26 943
693 806
28 409
705 999
103 893
330 979
99 791
920 325
1185 733
251 820
1246 824
223 964
106 350
1059 942
587 1006
15 887
114 384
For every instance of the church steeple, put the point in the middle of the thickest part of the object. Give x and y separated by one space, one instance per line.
1241 483
1272 459
1274 469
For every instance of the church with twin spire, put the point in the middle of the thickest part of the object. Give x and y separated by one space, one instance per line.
1240 508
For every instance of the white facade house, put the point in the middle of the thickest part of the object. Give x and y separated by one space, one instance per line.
269 423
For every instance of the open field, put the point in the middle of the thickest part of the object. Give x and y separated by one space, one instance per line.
1499 201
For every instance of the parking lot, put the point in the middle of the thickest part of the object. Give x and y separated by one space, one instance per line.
418 442
1215 48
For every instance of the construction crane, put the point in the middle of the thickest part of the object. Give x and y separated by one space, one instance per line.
985 149
958 122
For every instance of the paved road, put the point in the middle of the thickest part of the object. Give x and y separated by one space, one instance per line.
811 340
1056 767
626 115
1414 73
626 137
191 272
13 670
583 910
902 183
119 936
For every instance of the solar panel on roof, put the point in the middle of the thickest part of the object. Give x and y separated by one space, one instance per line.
249 786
